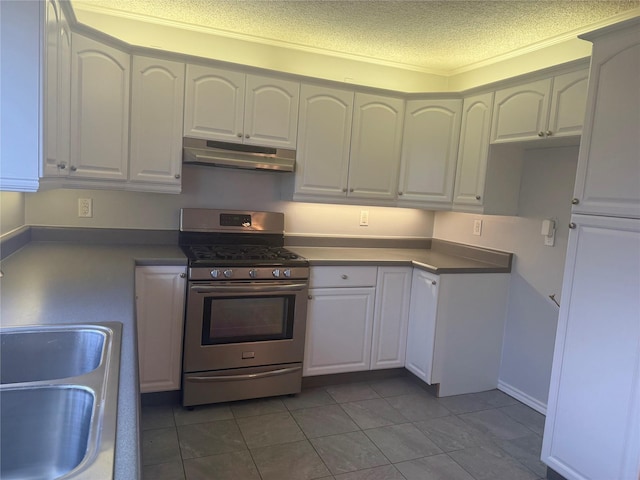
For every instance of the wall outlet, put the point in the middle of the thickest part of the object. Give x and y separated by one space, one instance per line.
477 227
85 207
364 218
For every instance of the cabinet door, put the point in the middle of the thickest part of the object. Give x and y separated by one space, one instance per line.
429 151
160 293
271 112
474 149
58 92
568 104
100 128
596 434
339 324
608 175
422 324
376 141
324 140
520 113
214 104
391 317
157 93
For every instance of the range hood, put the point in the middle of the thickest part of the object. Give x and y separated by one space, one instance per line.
235 155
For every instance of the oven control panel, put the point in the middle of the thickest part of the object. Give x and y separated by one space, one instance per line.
247 273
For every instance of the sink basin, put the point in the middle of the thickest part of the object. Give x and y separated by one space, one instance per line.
31 355
45 431
59 401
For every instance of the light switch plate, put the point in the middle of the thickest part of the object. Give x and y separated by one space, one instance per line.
364 218
477 227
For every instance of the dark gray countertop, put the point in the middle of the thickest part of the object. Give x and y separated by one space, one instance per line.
442 257
56 283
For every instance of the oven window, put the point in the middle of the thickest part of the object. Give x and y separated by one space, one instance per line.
247 319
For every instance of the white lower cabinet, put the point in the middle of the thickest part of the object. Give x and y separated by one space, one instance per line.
339 320
592 429
456 325
390 317
160 295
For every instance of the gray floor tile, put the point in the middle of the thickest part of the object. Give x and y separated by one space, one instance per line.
226 466
260 406
474 402
392 387
210 438
402 442
314 397
496 424
526 416
418 406
373 413
491 463
272 429
322 421
450 433
527 451
385 472
202 413
160 446
156 417
351 392
496 398
436 467
291 461
348 452
164 471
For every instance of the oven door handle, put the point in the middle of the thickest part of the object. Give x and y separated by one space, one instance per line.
246 376
248 288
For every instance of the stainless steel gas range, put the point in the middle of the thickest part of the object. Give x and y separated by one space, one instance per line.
246 307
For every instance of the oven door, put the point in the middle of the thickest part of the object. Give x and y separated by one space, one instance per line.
243 324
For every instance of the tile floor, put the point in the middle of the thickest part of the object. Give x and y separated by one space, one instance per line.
391 429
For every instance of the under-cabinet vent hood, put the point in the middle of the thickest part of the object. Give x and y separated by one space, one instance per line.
235 155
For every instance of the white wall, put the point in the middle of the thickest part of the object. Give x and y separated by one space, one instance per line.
208 187
546 192
12 211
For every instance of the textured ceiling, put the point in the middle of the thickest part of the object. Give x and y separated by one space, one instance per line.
437 36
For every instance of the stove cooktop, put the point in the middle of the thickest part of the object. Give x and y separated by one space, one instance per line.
226 255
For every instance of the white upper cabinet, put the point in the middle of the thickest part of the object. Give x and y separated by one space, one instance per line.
608 175
324 141
271 112
429 152
348 145
58 91
487 177
100 125
568 104
520 113
474 149
157 93
234 107
552 107
376 142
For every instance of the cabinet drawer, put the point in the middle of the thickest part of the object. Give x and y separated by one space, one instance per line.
346 276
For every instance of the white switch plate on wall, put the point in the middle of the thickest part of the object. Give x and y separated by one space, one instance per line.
477 227
364 218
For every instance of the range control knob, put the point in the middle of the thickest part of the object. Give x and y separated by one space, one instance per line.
276 272
215 273
228 272
287 272
253 273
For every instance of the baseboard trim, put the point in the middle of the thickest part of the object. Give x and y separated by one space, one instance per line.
528 400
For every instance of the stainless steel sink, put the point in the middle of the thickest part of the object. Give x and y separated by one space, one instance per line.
58 401
45 430
31 355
